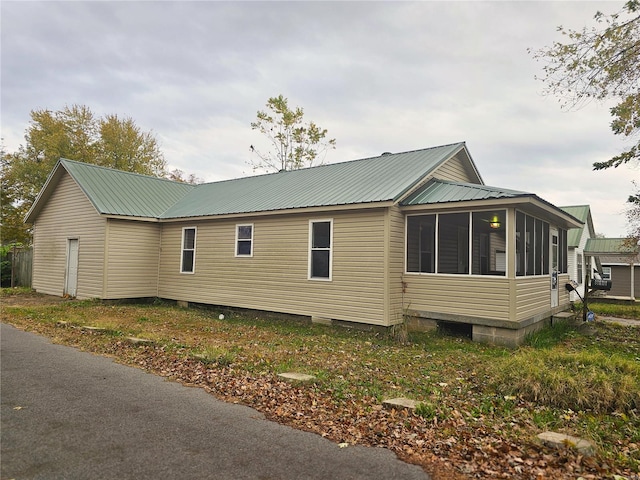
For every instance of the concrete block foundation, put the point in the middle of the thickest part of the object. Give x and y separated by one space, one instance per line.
321 320
417 324
505 337
495 332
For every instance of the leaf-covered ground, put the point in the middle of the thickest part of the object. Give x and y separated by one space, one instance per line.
465 427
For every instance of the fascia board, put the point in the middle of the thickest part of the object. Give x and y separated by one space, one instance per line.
529 199
465 204
45 192
129 217
473 164
426 176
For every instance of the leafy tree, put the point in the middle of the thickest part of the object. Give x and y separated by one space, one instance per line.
11 212
123 146
74 133
178 175
601 63
633 213
295 144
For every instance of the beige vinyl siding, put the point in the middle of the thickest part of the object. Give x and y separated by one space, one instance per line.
133 250
396 265
534 296
471 296
68 214
485 297
455 170
563 296
275 278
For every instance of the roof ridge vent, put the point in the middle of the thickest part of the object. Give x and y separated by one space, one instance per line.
383 154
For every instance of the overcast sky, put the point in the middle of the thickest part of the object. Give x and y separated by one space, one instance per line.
380 76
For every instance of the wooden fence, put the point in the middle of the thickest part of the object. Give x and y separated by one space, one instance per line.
20 262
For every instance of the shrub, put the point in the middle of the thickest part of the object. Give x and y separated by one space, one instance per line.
5 269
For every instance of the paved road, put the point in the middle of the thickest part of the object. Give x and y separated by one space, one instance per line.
71 415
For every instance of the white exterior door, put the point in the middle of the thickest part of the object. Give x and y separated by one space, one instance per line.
553 258
71 277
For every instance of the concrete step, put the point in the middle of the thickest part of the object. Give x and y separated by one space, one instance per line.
566 316
560 440
296 377
400 403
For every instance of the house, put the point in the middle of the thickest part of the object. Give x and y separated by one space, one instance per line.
369 241
620 263
579 265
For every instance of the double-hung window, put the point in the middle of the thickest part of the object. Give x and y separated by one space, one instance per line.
188 260
320 249
579 267
244 240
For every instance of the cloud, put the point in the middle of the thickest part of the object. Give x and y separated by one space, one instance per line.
380 76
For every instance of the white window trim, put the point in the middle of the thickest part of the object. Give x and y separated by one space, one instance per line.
182 249
406 238
436 243
311 222
609 273
243 239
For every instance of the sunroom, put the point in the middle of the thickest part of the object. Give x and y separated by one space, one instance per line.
491 260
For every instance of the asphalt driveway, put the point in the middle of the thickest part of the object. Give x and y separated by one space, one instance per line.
68 414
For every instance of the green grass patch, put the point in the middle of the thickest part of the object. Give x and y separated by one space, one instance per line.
429 411
620 310
550 335
11 291
584 380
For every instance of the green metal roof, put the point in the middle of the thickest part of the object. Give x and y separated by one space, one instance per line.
377 179
387 178
581 212
442 191
610 246
114 192
437 191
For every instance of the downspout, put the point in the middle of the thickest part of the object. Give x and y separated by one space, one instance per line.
105 260
510 252
387 315
161 229
633 287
